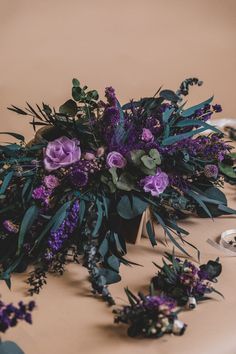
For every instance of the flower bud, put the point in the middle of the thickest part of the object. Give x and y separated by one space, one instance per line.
192 303
178 327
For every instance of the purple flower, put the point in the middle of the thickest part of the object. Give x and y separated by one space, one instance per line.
110 95
40 193
61 152
115 159
147 135
155 184
211 171
217 108
10 226
65 230
79 178
10 314
51 181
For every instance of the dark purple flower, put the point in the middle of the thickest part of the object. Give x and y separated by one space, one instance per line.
79 178
155 184
115 159
10 314
211 171
147 135
61 153
217 108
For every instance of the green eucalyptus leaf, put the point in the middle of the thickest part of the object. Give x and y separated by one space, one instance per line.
129 211
125 182
77 93
30 216
110 276
75 83
114 263
167 114
151 233
155 155
6 182
15 135
136 156
169 95
69 107
190 111
175 138
8 347
148 162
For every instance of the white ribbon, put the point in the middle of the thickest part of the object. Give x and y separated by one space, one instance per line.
224 245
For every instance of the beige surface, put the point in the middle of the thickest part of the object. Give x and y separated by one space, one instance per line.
134 45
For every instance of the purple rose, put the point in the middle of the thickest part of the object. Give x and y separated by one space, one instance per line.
115 159
51 181
155 184
61 152
147 135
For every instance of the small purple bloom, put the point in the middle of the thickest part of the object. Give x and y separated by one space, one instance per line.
40 193
115 159
51 181
217 108
61 153
110 95
155 184
79 178
147 135
10 226
211 171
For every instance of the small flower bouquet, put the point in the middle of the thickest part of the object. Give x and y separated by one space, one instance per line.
10 315
185 282
150 316
94 166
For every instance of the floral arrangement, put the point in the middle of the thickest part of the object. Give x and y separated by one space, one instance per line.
185 282
10 314
150 316
95 166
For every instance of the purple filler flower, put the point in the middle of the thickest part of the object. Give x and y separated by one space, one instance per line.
61 152
211 171
147 135
40 193
155 184
115 159
51 181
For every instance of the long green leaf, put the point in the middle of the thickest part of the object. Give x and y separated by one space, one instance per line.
15 135
175 138
196 122
54 221
6 181
173 240
189 111
27 221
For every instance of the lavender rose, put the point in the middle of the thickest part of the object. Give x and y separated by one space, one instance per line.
51 181
115 159
61 152
155 184
147 135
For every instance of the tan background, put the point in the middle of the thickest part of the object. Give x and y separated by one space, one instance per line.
135 46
